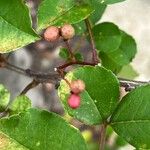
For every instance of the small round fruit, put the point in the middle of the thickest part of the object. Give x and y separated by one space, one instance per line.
74 101
67 31
51 34
77 86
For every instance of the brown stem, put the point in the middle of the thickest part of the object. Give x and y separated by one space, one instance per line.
102 136
61 68
29 87
75 63
70 51
2 61
3 114
131 84
54 77
94 52
61 72
14 68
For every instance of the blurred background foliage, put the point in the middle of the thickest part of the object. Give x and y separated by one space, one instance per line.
132 16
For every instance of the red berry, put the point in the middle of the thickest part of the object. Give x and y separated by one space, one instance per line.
77 86
51 34
67 31
74 101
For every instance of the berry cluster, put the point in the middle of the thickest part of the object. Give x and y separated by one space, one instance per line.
76 88
53 33
67 31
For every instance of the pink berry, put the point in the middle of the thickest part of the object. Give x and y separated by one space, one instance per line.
77 86
67 31
74 101
51 34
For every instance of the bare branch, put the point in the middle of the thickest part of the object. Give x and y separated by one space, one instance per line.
76 63
51 77
70 51
131 84
30 86
55 77
103 136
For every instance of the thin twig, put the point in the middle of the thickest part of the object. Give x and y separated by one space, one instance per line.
3 114
52 77
94 52
2 61
102 136
55 77
131 84
134 81
15 68
70 51
30 86
75 63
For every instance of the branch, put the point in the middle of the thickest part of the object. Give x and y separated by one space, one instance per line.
103 136
55 77
52 77
75 63
94 52
15 68
69 50
131 84
30 86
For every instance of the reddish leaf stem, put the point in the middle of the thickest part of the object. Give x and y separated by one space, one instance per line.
69 50
94 52
102 136
75 63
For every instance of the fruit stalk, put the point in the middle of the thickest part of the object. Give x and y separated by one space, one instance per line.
94 52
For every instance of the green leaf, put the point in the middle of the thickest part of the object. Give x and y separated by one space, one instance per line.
128 46
108 62
63 53
141 149
131 119
20 104
59 12
4 98
39 130
74 15
80 28
107 37
109 131
120 142
96 105
98 8
15 25
115 60
78 56
127 72
111 1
